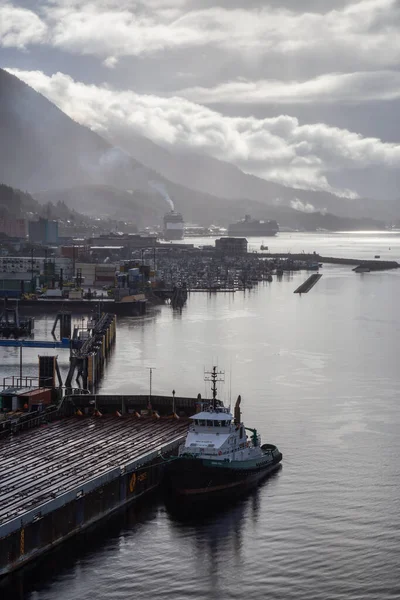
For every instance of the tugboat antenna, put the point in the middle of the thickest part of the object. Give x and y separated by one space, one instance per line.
213 377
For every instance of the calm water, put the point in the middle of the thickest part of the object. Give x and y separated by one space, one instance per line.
319 376
341 244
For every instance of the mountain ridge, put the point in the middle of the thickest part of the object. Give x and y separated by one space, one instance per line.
54 157
46 152
223 179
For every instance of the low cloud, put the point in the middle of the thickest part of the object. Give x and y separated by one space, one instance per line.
278 149
346 88
359 34
20 27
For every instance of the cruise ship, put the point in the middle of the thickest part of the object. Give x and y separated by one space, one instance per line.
173 226
249 227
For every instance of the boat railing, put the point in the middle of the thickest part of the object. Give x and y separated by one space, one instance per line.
209 408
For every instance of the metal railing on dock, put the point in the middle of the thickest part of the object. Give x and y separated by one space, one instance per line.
110 403
21 422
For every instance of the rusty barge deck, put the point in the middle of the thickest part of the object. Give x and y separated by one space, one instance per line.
62 477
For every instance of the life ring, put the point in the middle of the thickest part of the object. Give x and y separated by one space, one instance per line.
219 453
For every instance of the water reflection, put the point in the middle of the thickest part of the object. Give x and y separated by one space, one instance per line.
217 530
68 559
177 313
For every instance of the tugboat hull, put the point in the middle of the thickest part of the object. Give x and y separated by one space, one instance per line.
196 479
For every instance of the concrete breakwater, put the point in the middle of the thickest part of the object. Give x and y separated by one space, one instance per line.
305 287
373 265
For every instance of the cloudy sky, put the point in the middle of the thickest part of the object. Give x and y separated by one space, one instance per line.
302 92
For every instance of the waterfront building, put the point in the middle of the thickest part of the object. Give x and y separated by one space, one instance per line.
130 241
19 274
95 274
231 245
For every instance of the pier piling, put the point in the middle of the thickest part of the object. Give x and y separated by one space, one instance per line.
88 357
64 318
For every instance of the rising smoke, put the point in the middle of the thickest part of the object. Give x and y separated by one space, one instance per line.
160 187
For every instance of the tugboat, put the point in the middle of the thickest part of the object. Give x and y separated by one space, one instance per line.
218 459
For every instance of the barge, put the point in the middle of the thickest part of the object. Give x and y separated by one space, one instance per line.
134 308
60 478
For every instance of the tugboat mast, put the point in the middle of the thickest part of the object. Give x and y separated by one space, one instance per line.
213 377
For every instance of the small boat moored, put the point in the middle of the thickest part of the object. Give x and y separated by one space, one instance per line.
362 269
218 459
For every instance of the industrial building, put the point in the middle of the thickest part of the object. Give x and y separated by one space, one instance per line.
21 274
93 274
43 231
231 246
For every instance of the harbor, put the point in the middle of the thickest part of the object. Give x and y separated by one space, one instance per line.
79 460
71 458
199 274
71 465
75 453
130 280
289 390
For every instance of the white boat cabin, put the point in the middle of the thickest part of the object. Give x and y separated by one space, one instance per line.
215 435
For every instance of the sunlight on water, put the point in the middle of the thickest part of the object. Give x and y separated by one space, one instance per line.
357 244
